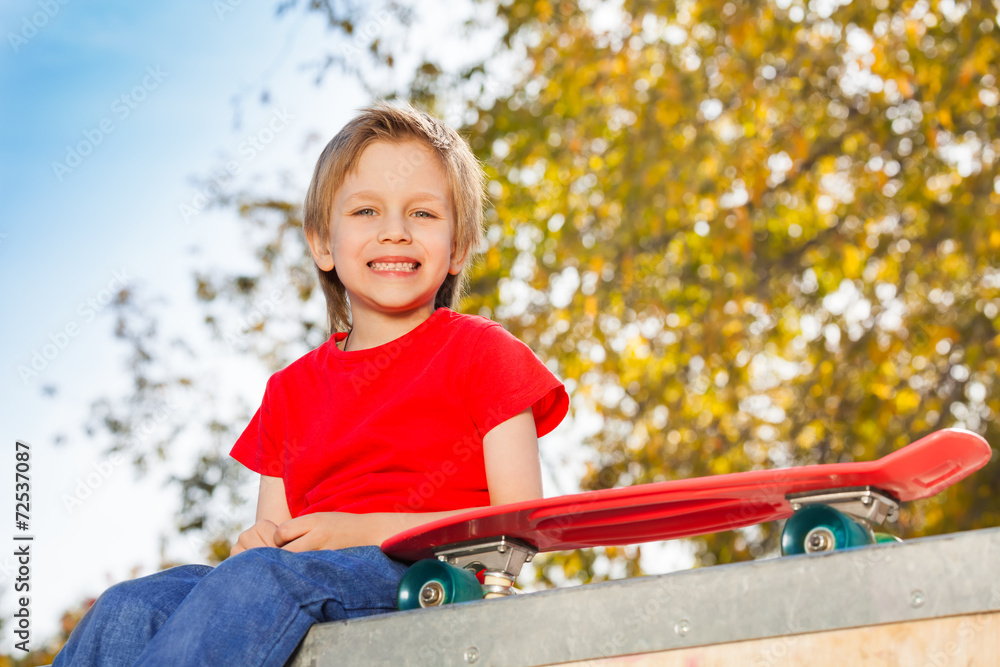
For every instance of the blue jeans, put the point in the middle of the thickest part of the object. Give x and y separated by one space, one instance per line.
252 609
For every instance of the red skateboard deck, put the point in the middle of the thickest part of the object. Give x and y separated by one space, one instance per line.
698 506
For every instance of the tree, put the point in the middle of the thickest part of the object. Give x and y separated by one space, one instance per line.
748 234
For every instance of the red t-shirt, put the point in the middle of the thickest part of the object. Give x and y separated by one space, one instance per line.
399 427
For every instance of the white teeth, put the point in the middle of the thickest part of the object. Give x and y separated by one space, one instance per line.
393 266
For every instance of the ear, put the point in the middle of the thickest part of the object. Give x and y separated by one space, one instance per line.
320 250
457 261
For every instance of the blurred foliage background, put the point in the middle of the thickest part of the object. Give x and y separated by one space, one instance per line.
746 234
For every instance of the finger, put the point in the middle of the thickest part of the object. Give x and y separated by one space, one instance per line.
312 540
246 540
291 530
299 544
266 532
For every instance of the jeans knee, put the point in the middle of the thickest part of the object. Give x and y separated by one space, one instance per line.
126 601
252 565
248 578
153 597
123 593
257 561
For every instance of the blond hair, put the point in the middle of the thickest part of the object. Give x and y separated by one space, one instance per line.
395 124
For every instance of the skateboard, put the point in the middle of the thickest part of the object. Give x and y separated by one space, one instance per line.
479 553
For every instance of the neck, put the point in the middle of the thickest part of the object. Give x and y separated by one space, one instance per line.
368 332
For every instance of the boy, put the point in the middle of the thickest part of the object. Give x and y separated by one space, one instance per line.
410 412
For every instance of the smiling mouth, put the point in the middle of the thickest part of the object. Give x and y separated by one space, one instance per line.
394 266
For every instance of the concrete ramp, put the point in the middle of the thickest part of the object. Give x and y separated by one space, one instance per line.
932 601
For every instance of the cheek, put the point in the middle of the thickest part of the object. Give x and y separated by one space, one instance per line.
345 243
444 241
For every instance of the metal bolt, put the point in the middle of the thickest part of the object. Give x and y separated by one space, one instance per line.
682 627
820 539
471 654
431 594
917 599
866 500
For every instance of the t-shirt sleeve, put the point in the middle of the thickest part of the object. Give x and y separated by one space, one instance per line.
506 378
255 448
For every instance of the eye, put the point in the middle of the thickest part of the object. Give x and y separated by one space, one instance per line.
364 211
424 214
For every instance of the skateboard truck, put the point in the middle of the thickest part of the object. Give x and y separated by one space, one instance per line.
452 576
501 557
824 521
861 503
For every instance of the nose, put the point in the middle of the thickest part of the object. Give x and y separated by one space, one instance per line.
395 229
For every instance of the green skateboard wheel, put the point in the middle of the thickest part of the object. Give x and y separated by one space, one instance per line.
431 583
886 538
819 528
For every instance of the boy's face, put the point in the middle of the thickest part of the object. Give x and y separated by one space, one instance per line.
391 235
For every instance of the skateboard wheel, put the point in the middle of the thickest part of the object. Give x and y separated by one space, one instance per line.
820 528
886 538
432 583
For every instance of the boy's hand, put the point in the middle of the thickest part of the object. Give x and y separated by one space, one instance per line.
326 530
261 534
